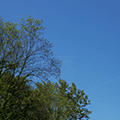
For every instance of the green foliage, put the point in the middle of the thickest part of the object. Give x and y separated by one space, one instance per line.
12 93
24 52
61 101
49 101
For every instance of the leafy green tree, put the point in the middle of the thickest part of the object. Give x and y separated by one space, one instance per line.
12 93
60 101
16 100
23 52
49 101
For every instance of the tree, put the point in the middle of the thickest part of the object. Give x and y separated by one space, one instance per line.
12 93
59 101
48 101
23 54
17 99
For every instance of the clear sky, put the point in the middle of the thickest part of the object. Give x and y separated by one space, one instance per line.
86 36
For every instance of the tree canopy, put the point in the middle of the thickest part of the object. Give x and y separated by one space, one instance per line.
24 52
12 93
63 102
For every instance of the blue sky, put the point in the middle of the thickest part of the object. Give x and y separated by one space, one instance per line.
86 36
